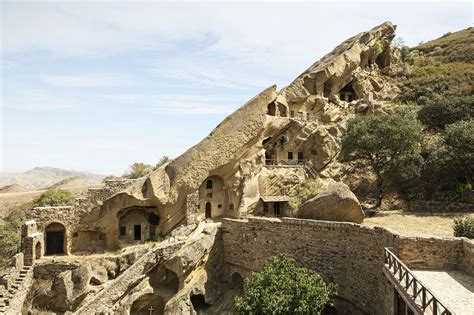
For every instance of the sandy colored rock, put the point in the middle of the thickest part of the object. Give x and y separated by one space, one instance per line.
336 203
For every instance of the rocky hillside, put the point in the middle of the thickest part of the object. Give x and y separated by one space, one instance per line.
42 177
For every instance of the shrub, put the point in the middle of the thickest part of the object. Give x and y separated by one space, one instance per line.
284 288
439 113
464 227
54 197
459 142
138 170
163 160
378 47
9 240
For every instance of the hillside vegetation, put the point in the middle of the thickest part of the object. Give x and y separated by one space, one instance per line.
441 67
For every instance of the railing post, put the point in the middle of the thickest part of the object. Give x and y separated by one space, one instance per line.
423 297
435 306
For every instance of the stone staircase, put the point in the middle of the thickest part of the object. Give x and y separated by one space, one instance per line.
12 297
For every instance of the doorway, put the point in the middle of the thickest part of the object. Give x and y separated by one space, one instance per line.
137 232
55 239
208 210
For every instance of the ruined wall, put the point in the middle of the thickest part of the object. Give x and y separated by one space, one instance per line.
345 253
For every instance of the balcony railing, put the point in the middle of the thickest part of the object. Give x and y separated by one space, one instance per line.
421 295
303 163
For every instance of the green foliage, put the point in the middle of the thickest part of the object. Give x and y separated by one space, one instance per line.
9 239
384 143
378 47
284 288
451 47
464 227
432 78
156 239
459 141
441 67
54 197
138 170
304 192
163 160
444 111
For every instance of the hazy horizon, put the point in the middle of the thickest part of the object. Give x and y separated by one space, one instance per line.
97 86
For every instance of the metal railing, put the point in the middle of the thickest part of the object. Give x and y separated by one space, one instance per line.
284 162
421 295
305 164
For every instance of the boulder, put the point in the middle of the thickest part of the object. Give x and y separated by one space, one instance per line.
336 203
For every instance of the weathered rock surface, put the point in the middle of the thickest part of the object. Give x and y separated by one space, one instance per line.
336 203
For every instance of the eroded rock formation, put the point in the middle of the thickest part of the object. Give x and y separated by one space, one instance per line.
248 165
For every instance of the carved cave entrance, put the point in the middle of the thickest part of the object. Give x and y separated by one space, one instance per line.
55 239
347 93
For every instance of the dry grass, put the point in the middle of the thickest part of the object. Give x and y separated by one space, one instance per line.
420 224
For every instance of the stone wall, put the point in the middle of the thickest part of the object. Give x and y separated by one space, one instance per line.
345 253
348 254
437 206
467 262
431 253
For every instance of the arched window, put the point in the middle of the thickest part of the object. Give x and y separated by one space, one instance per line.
209 184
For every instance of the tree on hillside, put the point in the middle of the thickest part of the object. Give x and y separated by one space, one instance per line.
384 144
284 288
439 113
138 170
459 142
54 198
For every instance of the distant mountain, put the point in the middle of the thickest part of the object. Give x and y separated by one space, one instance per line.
42 177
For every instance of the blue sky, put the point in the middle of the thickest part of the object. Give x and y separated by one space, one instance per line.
97 86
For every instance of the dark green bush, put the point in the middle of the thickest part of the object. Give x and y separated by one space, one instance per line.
54 197
464 227
284 288
440 112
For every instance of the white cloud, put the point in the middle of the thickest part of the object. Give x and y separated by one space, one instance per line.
93 80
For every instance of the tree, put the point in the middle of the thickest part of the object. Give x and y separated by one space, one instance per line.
163 160
284 288
384 143
440 112
459 142
138 170
54 198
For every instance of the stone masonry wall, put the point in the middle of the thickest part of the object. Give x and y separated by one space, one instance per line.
348 254
431 253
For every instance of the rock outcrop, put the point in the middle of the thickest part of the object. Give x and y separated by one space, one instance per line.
336 203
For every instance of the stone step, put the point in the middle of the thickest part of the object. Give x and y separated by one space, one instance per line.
15 286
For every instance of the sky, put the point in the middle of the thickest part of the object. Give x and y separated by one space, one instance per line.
98 85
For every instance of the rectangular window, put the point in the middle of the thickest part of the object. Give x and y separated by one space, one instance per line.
290 155
292 113
123 231
300 156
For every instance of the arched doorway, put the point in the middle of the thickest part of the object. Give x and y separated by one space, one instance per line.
55 239
208 210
